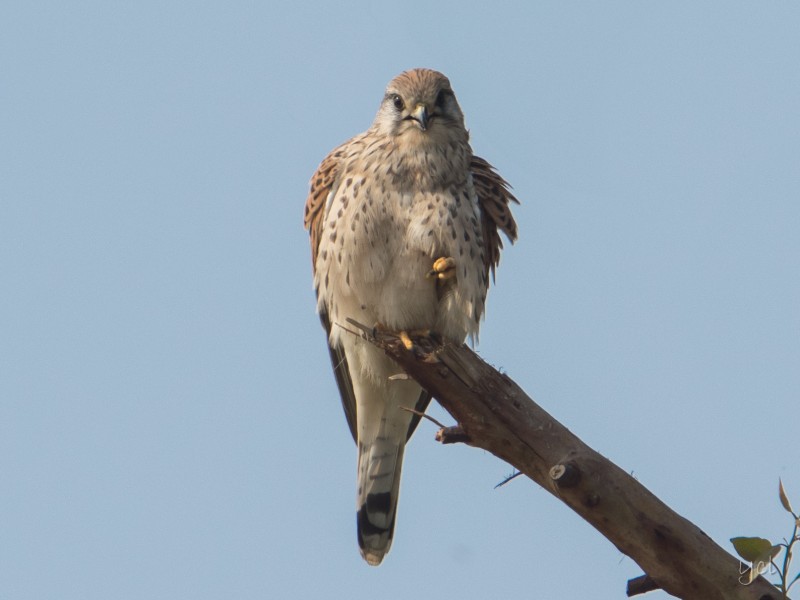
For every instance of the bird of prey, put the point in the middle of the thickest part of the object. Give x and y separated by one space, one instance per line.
404 222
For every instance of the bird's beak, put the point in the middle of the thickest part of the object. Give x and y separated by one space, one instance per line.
420 115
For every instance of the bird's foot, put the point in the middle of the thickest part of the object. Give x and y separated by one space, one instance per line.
403 335
406 339
444 268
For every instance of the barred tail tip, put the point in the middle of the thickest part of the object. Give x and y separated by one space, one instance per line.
374 540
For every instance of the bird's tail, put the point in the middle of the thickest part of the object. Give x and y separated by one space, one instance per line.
379 466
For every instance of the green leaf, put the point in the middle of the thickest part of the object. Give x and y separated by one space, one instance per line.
784 497
751 548
758 552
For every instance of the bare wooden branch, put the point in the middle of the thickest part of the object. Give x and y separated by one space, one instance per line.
495 414
452 435
640 585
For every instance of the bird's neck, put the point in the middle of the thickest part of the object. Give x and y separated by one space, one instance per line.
427 163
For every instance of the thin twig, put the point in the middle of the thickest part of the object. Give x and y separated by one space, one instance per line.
368 332
423 415
507 479
350 331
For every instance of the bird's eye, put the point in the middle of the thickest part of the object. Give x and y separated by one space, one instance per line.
398 102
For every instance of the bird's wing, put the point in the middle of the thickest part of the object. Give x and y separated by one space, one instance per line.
341 372
323 183
494 197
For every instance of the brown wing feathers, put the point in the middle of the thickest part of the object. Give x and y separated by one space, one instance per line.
321 184
494 196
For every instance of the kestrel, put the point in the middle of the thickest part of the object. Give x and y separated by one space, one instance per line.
404 223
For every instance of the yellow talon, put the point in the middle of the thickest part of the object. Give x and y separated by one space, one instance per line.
403 335
443 268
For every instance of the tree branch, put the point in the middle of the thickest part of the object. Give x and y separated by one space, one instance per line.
495 414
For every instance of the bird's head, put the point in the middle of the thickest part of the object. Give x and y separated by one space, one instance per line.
420 105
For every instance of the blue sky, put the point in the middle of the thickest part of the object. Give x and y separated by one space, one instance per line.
169 426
